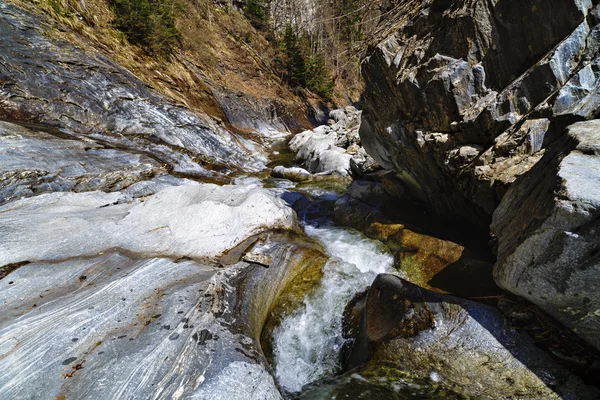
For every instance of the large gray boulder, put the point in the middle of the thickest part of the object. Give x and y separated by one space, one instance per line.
548 229
462 97
402 330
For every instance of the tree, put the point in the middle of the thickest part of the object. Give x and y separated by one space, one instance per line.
295 59
149 24
317 78
257 12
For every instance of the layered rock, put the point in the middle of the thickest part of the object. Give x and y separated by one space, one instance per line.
47 80
34 162
461 345
124 294
468 102
464 97
548 228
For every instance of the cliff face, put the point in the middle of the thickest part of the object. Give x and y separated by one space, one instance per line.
464 98
464 95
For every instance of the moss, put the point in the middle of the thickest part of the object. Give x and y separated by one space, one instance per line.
292 296
329 183
386 374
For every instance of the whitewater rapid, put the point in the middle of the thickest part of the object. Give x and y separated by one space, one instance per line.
308 341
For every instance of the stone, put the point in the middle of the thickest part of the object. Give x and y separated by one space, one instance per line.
548 230
199 221
294 174
460 345
145 327
34 162
334 148
420 255
137 293
461 99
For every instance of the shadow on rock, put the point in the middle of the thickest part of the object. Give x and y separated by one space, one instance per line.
462 345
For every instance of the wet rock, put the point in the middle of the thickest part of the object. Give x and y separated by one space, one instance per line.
294 174
424 253
548 229
48 81
185 327
460 345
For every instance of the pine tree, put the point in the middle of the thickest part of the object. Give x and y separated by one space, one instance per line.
149 24
257 11
295 59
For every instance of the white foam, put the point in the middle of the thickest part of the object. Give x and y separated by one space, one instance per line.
307 343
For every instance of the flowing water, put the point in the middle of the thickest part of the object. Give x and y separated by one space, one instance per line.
307 344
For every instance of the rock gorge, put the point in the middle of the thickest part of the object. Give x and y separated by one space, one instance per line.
207 225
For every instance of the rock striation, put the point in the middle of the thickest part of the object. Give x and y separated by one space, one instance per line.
479 108
34 162
47 80
124 294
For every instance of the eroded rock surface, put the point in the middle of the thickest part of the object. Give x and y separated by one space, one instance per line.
459 344
548 228
463 97
124 294
49 81
200 221
34 162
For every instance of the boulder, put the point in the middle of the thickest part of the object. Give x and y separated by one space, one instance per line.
462 98
334 147
199 221
294 174
548 230
316 150
461 345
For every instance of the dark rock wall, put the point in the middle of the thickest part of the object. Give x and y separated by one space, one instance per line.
469 102
464 95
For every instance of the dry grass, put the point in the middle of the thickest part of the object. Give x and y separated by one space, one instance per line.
219 47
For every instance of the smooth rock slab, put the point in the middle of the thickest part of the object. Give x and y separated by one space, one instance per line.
200 221
50 81
34 162
116 327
